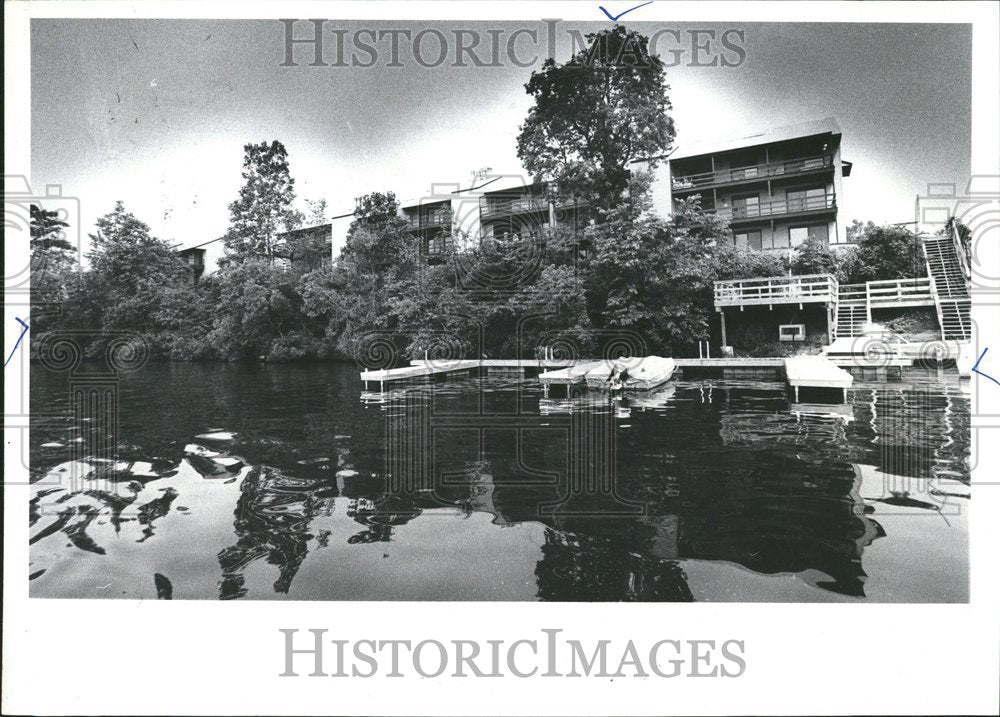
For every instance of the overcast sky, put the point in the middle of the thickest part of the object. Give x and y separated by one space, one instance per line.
156 113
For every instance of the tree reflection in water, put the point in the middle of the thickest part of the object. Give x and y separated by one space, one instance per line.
724 474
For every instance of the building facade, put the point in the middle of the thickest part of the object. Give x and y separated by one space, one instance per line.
774 188
510 210
195 260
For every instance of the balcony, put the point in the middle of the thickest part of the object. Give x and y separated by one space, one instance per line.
519 205
437 247
776 290
430 220
776 208
753 173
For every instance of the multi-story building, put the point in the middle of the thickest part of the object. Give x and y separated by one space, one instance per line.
513 212
432 223
528 211
194 257
774 188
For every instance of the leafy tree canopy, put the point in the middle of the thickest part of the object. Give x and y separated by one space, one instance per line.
596 113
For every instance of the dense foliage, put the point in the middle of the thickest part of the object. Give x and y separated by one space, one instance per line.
629 282
594 115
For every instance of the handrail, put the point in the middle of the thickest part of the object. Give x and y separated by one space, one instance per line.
895 290
436 218
510 206
962 251
776 287
755 171
775 207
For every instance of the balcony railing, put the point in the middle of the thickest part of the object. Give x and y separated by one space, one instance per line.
775 208
776 290
514 206
437 247
789 167
438 218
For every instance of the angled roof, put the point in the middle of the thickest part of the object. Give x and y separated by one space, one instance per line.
827 125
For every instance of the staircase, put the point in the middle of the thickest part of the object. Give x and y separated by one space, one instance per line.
851 319
853 311
951 288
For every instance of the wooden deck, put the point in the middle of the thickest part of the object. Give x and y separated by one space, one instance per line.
570 372
816 372
423 368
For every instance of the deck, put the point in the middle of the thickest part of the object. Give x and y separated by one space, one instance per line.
569 372
776 290
424 368
816 372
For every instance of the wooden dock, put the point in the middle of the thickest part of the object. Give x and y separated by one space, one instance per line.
423 368
570 372
571 375
816 372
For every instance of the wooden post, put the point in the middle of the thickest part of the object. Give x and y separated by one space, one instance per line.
722 318
796 393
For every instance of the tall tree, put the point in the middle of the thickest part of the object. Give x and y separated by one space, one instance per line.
264 205
48 231
53 267
128 268
593 115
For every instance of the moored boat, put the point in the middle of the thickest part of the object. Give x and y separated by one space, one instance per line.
631 374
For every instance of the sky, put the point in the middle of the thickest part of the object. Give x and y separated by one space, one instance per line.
156 112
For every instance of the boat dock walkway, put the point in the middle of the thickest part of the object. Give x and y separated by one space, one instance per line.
816 372
568 372
428 368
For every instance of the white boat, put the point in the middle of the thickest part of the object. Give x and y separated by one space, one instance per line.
643 374
599 376
650 372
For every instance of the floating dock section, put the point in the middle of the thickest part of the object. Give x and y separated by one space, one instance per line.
573 375
424 368
816 372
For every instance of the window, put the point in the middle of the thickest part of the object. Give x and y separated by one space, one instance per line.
800 200
776 240
792 332
797 235
747 205
747 240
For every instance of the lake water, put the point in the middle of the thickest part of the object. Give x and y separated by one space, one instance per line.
480 489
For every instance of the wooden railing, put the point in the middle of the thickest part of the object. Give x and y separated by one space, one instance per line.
776 207
852 294
900 291
437 218
776 290
514 206
442 245
756 171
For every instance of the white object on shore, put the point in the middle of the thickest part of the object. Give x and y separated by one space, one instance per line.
228 462
217 436
195 450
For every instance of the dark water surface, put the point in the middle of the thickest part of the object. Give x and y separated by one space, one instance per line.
480 489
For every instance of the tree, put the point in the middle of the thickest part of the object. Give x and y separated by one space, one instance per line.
264 205
595 114
814 256
317 212
53 267
882 252
47 231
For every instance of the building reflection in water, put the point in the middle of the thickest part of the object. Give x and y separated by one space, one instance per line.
787 491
